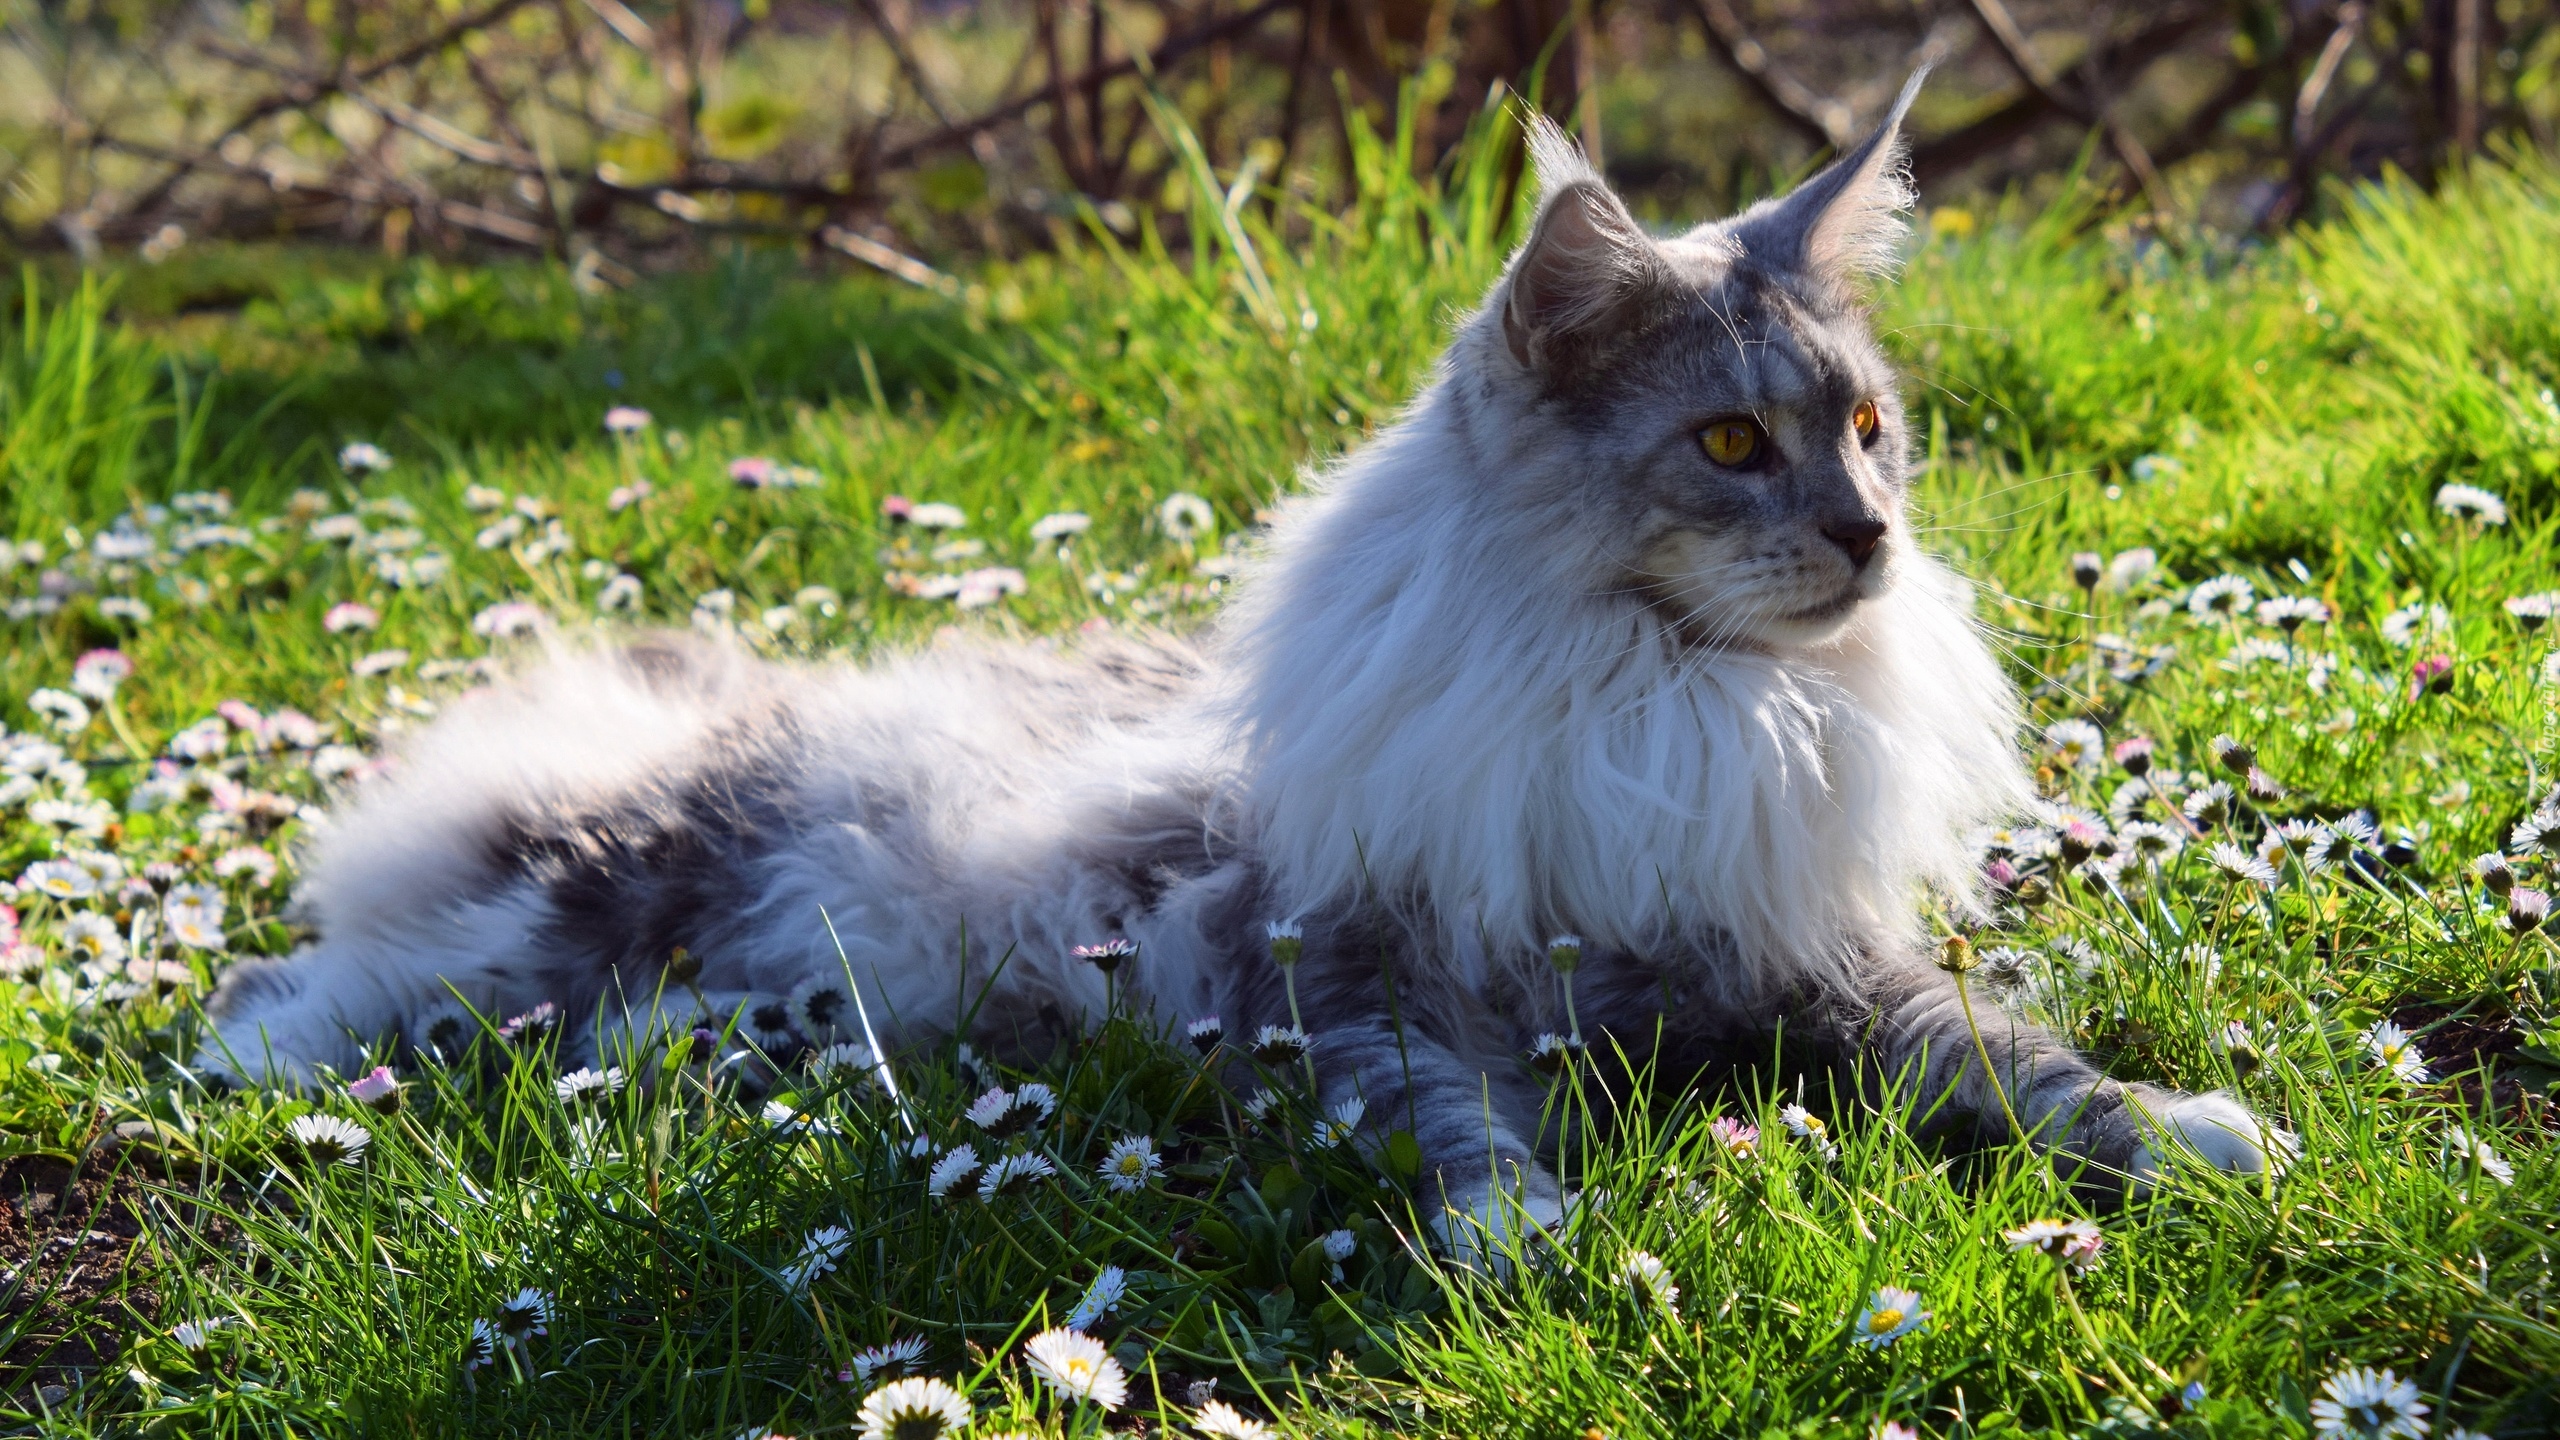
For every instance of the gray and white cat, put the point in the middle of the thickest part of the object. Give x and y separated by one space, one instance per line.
1620 632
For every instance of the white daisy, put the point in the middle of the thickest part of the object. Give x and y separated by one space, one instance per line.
2538 833
196 1336
1131 1164
2075 744
2151 842
1809 1127
2404 626
850 1057
1077 1367
2393 1050
2476 1150
1014 1174
789 1122
1278 1045
1185 517
2368 1404
818 1255
957 1167
1221 1421
2470 502
1100 1298
526 1315
822 1009
2220 598
896 1356
1339 1127
588 1085
2289 613
918 1408
480 1347
1205 1033
328 1140
2072 1243
1650 1281
1060 526
2241 867
1889 1315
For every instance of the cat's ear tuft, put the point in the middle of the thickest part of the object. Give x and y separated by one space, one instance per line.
1846 223
1586 264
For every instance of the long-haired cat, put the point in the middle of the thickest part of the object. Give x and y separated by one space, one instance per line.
1621 633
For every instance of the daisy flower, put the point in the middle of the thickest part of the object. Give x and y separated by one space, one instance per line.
1280 1045
2131 567
2073 1244
789 1122
2368 1404
481 1347
68 712
1288 940
1131 1164
2209 805
2476 1150
626 420
2289 613
818 1255
1809 1128
918 1408
1649 1280
2075 744
2403 626
1077 1367
2393 1050
936 515
1339 1127
1100 1298
360 458
1108 956
957 1167
1221 1421
1205 1033
2470 502
349 615
2241 867
98 673
2527 909
328 1140
1014 1174
588 1085
1564 953
2533 611
378 1090
1892 1430
844 1057
196 1336
1738 1139
1550 1053
2149 841
822 1009
1061 526
1889 1315
1185 517
2538 833
897 1356
528 1314
2220 598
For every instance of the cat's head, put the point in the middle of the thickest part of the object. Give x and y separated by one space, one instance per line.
1730 433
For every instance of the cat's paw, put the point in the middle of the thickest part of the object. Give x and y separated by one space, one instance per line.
1487 1228
2215 1128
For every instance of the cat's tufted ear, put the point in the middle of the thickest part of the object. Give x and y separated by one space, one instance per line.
1846 223
1587 264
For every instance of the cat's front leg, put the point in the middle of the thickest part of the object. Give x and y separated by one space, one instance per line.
1473 1117
1918 1034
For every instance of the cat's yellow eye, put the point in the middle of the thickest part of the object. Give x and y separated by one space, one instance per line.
1864 421
1730 442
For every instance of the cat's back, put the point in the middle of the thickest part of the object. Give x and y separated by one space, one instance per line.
601 758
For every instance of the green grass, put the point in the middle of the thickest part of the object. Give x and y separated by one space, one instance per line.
2284 414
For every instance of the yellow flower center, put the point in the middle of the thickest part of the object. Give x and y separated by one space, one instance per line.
1080 1369
1883 1320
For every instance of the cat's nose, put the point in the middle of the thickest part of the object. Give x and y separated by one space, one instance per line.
1856 538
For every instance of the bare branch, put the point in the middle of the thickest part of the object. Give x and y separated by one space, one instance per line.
1819 118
